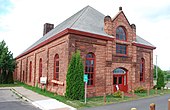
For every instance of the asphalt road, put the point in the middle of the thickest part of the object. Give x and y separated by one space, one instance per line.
9 101
142 104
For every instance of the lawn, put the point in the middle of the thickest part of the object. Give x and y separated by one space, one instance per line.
91 102
9 85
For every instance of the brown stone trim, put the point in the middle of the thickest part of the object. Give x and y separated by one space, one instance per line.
143 46
56 45
30 55
88 34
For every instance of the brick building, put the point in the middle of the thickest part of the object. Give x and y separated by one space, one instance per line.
114 56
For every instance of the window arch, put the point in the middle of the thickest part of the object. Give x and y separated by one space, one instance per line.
120 34
40 69
142 69
56 67
119 71
30 75
90 68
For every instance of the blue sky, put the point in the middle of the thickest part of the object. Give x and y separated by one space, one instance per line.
155 15
21 21
5 6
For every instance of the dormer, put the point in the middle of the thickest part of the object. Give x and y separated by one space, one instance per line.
120 24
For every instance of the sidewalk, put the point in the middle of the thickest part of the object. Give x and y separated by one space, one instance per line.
40 101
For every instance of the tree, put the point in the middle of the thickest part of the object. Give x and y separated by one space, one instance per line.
160 79
74 81
7 64
158 69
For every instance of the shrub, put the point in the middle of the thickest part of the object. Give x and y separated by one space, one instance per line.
117 94
140 90
74 81
160 80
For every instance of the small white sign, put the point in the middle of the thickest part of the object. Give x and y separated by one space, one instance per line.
43 80
117 87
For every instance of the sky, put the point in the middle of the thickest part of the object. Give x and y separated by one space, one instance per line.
21 21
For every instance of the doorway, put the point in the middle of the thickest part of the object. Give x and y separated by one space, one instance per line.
120 80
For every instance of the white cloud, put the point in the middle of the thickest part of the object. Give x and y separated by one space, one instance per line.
23 25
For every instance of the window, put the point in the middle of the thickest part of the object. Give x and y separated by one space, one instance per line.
119 71
120 34
120 80
30 71
121 49
40 69
142 68
89 68
56 67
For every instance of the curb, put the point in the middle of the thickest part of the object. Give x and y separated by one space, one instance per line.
20 95
26 99
35 103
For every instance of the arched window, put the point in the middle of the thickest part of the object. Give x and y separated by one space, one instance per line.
30 75
120 33
40 68
56 67
119 71
90 68
142 69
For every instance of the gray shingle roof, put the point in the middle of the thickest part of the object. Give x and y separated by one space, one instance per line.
140 40
88 20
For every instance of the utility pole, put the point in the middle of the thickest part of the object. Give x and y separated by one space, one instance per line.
156 69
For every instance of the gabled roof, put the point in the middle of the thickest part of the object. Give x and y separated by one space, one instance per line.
86 20
123 15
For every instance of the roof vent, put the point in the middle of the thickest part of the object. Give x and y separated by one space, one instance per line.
47 27
133 26
108 27
120 8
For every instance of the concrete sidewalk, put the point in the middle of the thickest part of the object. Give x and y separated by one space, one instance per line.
40 101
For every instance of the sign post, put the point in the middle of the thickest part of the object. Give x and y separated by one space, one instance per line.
85 80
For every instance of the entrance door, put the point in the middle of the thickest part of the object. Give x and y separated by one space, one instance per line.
119 80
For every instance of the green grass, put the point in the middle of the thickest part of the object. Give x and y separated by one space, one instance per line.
9 85
91 102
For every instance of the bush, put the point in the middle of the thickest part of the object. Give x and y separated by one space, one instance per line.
140 90
117 94
74 81
160 80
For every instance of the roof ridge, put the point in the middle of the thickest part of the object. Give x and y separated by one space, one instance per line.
80 15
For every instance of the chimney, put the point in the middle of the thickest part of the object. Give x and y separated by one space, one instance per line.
47 27
108 27
120 8
133 26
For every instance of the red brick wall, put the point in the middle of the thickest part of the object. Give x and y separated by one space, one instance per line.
47 54
98 47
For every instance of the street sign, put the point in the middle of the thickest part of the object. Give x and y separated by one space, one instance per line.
86 78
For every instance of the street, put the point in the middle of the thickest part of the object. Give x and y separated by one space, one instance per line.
142 104
10 101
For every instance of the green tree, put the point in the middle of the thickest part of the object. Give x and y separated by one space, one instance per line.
158 69
7 64
74 81
160 79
